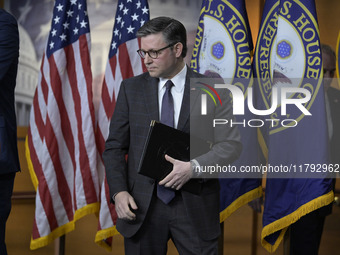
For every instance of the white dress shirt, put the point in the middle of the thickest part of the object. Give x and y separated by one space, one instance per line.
177 92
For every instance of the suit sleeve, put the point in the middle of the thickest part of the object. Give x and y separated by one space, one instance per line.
117 145
226 138
9 42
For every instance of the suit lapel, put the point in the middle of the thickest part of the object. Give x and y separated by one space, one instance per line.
151 97
189 97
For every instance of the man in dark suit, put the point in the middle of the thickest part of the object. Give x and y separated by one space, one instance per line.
306 233
333 101
190 220
9 161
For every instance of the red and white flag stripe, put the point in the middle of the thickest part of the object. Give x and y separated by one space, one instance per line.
61 143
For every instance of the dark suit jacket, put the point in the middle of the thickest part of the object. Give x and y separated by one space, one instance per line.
137 105
334 103
9 54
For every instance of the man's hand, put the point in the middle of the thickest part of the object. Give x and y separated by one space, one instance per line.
180 174
124 202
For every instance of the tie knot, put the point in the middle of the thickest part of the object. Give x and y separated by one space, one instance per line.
168 85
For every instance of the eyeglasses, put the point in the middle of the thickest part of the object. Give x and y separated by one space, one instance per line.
153 53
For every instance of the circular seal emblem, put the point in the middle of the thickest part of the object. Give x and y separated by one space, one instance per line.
287 55
222 43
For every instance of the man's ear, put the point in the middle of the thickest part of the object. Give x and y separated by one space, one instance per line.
178 47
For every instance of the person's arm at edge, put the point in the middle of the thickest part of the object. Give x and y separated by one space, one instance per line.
114 158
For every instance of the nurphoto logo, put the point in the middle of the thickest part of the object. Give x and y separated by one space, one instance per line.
282 98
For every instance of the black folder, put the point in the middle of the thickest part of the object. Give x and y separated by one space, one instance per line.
162 140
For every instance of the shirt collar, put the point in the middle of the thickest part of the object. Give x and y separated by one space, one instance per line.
178 80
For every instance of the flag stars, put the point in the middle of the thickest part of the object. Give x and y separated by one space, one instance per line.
56 19
121 6
69 13
145 10
75 31
54 32
130 29
60 7
51 45
130 16
83 24
138 4
68 22
66 25
63 37
135 16
113 45
125 11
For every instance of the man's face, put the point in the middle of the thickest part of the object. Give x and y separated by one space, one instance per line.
328 69
166 65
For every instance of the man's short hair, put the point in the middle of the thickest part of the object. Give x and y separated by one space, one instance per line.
173 31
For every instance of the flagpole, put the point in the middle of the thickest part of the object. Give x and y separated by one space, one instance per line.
254 234
221 239
59 245
286 242
62 241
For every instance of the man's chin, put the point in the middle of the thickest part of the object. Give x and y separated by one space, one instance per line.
153 74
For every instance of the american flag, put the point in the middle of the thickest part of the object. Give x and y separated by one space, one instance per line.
123 62
60 147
